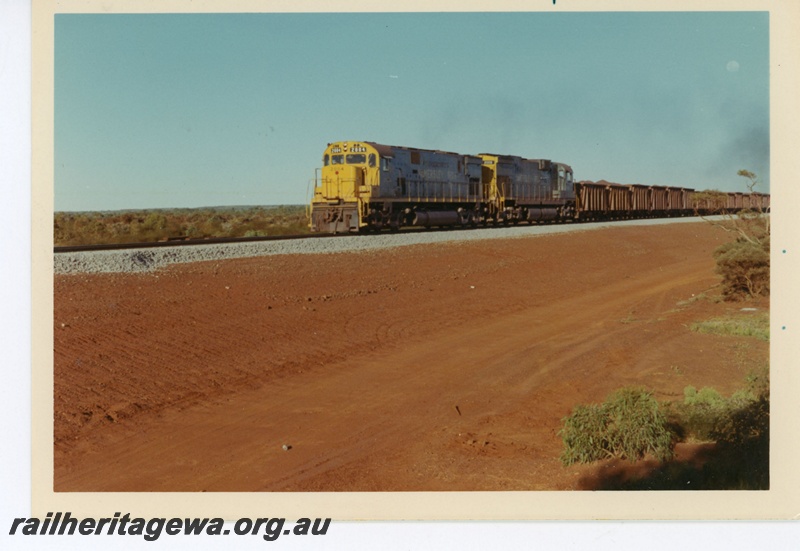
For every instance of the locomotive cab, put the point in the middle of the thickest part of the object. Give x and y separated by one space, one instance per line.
349 172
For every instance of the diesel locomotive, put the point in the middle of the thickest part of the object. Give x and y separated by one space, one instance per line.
368 186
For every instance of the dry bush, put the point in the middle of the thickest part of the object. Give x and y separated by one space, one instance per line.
744 267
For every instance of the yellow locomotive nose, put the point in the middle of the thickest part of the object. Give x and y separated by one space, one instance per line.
341 184
339 193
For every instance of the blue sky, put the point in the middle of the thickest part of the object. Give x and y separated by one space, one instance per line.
183 110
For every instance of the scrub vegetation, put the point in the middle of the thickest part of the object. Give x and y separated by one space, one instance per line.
632 425
744 262
138 226
629 424
741 326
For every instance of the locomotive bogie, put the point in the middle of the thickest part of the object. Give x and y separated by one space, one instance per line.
334 218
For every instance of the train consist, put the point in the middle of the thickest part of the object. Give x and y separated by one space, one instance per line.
369 186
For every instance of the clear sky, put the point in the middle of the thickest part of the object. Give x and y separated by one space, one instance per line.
190 110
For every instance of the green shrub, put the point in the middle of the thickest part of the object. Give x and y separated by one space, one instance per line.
699 413
758 382
585 435
742 326
155 221
707 397
738 426
629 424
744 267
706 415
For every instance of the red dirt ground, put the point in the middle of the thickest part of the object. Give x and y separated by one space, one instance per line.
437 367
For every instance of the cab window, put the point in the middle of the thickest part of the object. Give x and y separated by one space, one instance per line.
337 159
326 160
371 159
356 158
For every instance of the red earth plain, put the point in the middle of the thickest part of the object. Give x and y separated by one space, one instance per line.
427 367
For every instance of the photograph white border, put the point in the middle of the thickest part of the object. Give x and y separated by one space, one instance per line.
780 502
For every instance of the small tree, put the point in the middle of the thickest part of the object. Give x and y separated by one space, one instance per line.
743 263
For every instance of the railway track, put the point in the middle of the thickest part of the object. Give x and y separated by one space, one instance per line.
184 243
